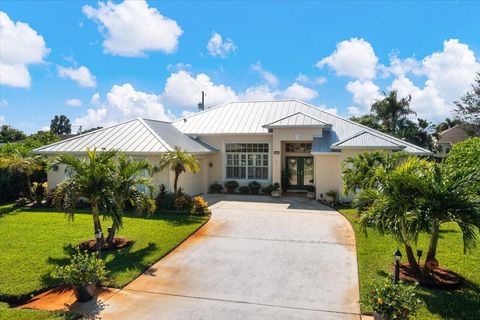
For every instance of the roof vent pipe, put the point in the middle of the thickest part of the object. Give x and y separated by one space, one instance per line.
201 105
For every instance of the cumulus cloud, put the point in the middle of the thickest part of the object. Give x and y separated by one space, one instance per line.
184 90
364 94
132 27
178 67
310 80
258 93
297 91
20 46
353 58
217 47
269 77
122 103
81 75
73 102
449 74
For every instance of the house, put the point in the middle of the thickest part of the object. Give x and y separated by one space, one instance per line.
450 136
288 141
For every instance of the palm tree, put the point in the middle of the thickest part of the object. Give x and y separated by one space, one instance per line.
391 207
23 163
446 195
390 110
178 161
128 178
93 178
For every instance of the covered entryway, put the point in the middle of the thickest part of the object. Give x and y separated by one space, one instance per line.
300 172
257 258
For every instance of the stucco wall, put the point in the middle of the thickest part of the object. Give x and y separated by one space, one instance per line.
327 174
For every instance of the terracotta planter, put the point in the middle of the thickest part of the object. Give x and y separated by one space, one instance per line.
85 293
311 195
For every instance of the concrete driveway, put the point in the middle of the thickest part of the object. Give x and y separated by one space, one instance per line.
257 258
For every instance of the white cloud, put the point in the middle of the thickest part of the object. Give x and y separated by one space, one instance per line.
178 67
449 74
310 80
81 75
2 120
132 27
269 77
354 58
297 91
218 48
20 46
259 93
73 102
364 94
401 67
122 103
184 90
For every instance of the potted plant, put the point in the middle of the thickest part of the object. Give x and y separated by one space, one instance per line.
391 300
311 192
332 195
83 273
254 187
231 185
244 190
216 187
276 193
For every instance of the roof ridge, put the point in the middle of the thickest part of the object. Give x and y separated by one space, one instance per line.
81 135
163 142
367 132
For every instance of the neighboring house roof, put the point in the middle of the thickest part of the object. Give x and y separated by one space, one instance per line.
454 134
297 120
251 118
137 136
365 140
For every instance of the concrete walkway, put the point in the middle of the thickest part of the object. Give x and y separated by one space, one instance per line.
257 258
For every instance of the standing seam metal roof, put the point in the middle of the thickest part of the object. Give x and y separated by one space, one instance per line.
367 139
297 120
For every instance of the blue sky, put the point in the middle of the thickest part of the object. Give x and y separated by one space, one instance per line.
114 61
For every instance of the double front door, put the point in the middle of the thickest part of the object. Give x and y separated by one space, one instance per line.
299 172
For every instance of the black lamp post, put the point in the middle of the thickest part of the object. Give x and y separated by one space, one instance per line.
98 244
398 256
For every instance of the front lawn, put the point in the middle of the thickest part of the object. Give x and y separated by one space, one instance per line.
375 259
16 314
34 241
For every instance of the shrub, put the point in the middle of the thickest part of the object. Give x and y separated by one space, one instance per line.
231 185
183 202
39 191
310 188
216 188
392 301
84 268
244 190
267 190
167 203
199 204
332 194
276 186
255 187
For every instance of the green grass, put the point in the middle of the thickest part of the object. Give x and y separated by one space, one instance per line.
375 259
24 314
34 241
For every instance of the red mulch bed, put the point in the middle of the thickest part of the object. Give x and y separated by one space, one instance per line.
118 243
439 278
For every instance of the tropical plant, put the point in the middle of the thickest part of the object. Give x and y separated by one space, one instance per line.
128 178
199 204
216 187
445 194
40 191
93 178
23 163
244 190
10 134
178 161
231 185
392 300
465 155
468 108
447 124
182 202
84 268
390 110
254 187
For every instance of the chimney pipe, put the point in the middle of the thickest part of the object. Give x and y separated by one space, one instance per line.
201 105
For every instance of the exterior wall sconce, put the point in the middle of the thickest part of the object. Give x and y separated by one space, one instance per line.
210 164
55 167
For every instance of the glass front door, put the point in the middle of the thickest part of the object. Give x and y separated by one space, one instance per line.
300 172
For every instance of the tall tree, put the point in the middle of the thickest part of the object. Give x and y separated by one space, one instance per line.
9 134
178 161
468 108
390 110
60 125
369 120
447 124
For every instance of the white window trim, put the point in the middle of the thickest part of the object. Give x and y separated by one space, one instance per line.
246 180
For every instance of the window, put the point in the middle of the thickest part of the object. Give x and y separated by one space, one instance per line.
247 161
298 147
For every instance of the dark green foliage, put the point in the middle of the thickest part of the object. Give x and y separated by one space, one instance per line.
231 185
267 190
244 190
167 202
254 187
216 188
9 134
368 120
60 125
468 108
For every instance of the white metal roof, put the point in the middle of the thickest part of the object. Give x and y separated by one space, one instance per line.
137 136
297 120
366 139
250 118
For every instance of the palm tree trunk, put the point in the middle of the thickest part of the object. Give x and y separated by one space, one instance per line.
111 233
29 187
408 249
175 182
432 246
96 217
